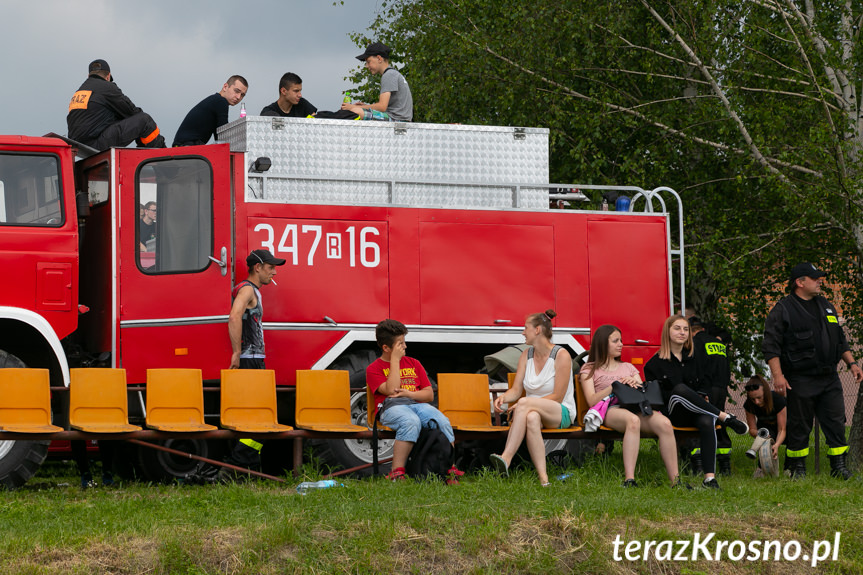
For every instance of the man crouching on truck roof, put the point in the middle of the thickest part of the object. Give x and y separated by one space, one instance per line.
206 116
395 103
101 116
402 393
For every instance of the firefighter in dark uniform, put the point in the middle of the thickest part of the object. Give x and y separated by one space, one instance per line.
714 375
101 116
803 343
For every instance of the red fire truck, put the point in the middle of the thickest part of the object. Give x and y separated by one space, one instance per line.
453 230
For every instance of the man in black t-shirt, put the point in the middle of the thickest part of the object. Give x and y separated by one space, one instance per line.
202 121
291 103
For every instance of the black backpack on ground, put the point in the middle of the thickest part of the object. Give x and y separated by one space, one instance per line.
431 454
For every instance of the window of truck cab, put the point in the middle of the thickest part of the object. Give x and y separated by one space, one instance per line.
174 215
30 192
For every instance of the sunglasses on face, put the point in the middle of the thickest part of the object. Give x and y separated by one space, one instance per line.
751 386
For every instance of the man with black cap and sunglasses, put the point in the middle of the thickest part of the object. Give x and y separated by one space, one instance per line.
102 117
803 343
395 103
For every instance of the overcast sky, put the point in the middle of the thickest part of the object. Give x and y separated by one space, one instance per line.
167 55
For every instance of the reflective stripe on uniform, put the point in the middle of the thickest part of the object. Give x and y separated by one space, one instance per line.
796 453
253 444
837 450
152 136
696 451
832 319
723 451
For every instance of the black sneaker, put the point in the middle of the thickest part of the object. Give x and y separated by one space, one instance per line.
737 426
681 485
630 483
710 483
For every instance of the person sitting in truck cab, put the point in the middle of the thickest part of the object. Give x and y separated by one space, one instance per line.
204 119
291 103
101 116
147 228
395 103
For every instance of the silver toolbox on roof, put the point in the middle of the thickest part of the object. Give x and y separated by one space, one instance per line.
392 163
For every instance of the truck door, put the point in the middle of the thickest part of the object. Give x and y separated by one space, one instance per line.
174 277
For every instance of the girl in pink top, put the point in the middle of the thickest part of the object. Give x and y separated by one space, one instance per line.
604 367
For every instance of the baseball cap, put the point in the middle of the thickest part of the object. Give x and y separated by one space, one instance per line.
99 65
805 269
263 257
375 49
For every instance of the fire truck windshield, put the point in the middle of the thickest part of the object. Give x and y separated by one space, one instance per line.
30 190
175 204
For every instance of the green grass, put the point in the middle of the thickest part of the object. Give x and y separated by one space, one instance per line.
485 525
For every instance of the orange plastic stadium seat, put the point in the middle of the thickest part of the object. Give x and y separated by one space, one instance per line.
25 401
464 398
175 400
324 401
98 401
249 401
370 411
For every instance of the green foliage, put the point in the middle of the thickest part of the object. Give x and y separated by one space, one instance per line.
748 109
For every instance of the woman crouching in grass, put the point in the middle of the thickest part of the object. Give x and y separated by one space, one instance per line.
603 367
545 376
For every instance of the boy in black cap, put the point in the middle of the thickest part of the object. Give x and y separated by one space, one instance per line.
246 331
395 102
803 342
101 116
244 322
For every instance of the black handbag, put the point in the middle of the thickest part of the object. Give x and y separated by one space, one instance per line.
646 397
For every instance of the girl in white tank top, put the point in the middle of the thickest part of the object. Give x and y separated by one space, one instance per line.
549 399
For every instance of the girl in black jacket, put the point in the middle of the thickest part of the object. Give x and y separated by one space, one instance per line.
674 367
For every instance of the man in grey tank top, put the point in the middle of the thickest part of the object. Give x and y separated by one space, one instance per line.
245 326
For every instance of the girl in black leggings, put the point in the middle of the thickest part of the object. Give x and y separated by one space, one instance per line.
674 367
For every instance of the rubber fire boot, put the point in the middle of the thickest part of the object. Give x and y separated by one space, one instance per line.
723 462
796 467
837 467
695 465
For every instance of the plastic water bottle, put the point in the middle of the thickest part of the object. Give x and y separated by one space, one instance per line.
347 98
243 110
604 206
307 486
564 476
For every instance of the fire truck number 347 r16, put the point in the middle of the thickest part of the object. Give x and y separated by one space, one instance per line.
315 240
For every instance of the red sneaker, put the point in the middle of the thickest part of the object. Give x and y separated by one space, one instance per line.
453 474
397 474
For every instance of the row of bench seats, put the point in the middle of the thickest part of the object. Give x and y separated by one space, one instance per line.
174 402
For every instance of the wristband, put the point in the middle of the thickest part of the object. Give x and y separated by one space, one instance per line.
853 363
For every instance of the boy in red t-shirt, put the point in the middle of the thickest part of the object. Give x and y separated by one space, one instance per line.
402 389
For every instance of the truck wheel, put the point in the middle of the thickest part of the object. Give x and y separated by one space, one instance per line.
347 453
161 466
19 460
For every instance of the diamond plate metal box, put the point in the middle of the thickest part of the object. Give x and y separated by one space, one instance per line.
358 162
